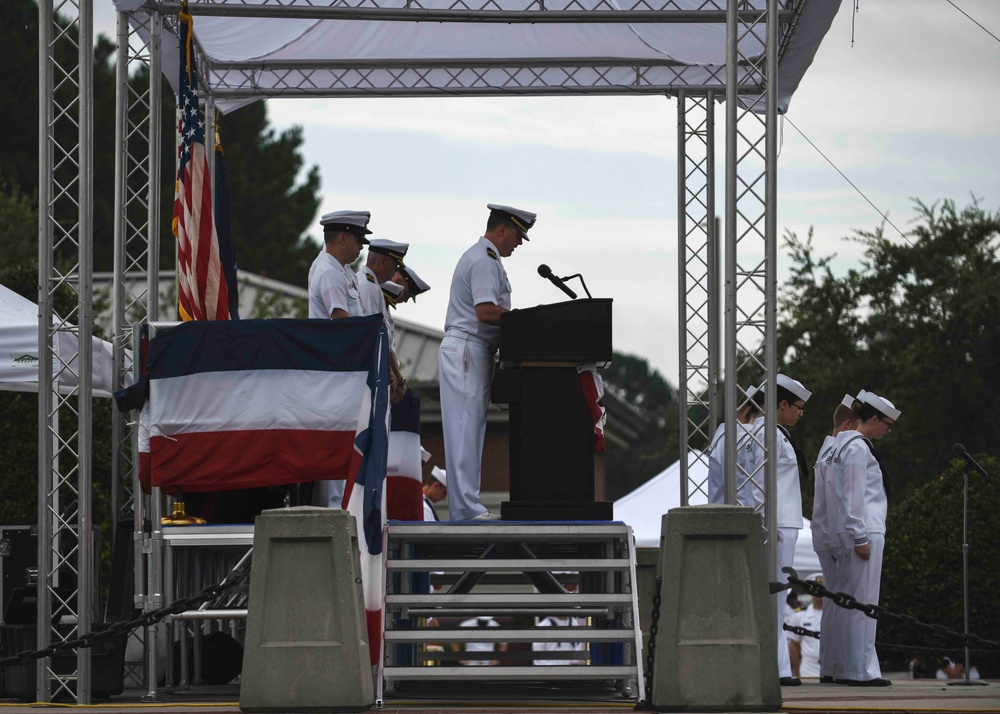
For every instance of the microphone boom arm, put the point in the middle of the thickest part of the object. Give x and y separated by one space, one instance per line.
578 275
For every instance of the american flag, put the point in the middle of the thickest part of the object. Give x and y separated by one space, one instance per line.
201 285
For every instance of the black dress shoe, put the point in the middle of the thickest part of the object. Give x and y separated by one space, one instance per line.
790 682
879 682
826 679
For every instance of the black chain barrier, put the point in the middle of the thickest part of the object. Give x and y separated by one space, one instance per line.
800 631
117 628
877 612
654 622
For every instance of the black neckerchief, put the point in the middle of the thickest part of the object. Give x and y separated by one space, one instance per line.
800 458
428 502
881 467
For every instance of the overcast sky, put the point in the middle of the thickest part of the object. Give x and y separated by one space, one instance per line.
912 110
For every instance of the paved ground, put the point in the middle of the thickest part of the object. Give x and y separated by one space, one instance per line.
921 696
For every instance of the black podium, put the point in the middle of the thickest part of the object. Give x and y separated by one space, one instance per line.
551 426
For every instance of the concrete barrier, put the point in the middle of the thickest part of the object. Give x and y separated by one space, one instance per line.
306 645
715 642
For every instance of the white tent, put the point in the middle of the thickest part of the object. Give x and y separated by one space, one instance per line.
19 350
644 507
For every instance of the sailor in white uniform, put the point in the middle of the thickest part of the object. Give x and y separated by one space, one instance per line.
480 294
717 450
333 293
861 511
333 286
830 646
435 489
791 397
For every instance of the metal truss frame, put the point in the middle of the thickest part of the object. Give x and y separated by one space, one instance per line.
65 254
748 84
751 257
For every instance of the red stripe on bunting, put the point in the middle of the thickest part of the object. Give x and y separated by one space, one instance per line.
222 460
404 498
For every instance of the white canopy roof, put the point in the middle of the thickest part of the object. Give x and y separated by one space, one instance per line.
257 48
19 350
643 509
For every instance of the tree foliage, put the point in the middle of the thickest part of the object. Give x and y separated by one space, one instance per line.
916 322
633 380
922 570
271 207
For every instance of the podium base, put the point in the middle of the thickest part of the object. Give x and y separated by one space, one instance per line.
557 511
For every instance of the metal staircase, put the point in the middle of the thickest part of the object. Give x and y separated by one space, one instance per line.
438 575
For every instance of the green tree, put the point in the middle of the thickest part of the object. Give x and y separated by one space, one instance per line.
922 566
18 224
637 384
271 208
915 322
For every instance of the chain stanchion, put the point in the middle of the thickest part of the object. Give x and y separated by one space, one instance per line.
877 612
654 620
117 628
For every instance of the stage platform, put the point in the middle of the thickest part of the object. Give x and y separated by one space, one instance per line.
920 696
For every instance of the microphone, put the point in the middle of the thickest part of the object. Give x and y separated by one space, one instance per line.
960 452
546 272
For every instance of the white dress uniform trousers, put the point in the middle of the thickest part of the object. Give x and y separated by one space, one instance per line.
821 545
465 372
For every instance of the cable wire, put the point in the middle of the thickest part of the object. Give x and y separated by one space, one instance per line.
844 176
973 19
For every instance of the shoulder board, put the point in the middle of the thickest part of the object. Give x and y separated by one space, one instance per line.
371 278
492 253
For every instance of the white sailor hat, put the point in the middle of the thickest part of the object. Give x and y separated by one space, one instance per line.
440 475
413 281
750 391
794 386
520 218
396 251
883 405
355 222
392 291
425 455
847 401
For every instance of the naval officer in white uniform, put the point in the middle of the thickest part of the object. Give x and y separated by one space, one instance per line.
384 259
480 294
333 293
861 511
333 286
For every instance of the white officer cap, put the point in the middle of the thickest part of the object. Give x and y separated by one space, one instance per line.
413 281
519 217
440 475
882 404
794 386
392 291
847 401
396 251
355 222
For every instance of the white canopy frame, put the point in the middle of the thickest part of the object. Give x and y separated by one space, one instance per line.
731 50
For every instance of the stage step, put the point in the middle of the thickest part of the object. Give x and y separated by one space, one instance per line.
441 574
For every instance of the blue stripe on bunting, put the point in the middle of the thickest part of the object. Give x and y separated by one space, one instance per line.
373 443
405 414
200 346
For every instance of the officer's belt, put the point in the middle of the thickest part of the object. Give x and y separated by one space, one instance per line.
468 337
